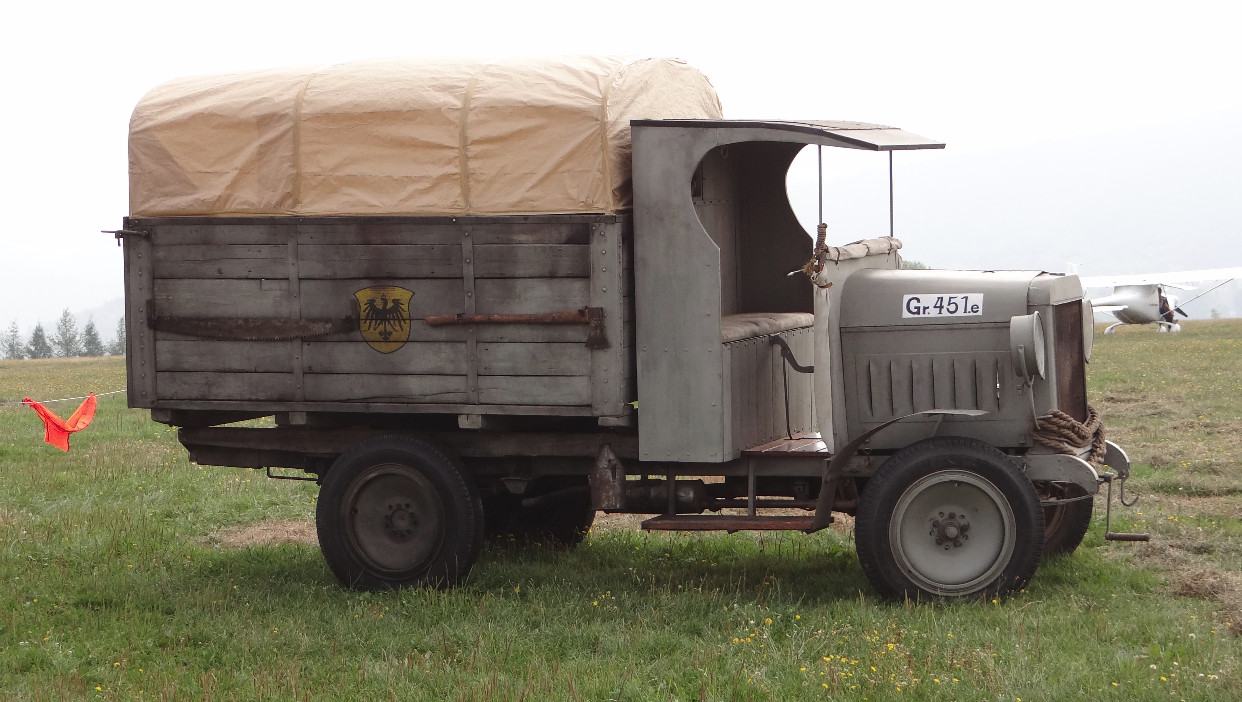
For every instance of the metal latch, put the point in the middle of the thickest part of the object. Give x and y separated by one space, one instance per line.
120 234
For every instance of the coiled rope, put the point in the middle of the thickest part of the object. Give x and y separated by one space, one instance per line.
1064 434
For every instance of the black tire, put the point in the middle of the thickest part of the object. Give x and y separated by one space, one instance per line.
1066 524
949 517
562 523
395 512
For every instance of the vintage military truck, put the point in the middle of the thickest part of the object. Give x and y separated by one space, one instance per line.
499 297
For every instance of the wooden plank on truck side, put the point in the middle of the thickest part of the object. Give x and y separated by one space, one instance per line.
140 376
611 365
531 261
531 231
255 388
539 359
414 358
220 261
534 390
531 295
385 387
222 356
260 232
329 299
367 231
266 298
380 261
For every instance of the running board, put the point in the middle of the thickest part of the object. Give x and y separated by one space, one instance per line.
727 522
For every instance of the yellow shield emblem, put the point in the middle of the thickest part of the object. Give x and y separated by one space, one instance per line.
384 318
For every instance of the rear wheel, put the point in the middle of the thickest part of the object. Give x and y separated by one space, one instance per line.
949 517
395 511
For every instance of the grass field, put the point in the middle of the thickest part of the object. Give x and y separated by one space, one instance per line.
130 573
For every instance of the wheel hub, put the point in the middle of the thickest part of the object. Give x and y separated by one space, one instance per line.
399 520
949 530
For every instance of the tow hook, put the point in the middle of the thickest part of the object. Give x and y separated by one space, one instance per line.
1109 534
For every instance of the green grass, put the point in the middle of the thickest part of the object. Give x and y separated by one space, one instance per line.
122 581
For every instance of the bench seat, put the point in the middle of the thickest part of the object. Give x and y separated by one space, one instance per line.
735 327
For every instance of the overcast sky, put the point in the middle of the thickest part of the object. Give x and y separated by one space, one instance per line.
1101 133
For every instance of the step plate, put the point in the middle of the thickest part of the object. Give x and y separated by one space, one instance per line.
725 522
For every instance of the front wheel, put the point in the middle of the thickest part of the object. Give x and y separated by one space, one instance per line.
1066 524
949 517
395 511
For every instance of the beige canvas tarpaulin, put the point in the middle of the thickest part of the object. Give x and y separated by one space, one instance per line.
416 137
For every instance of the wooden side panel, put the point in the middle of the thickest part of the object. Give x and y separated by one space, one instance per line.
538 359
221 261
140 378
761 386
295 272
339 261
414 358
228 356
385 387
226 386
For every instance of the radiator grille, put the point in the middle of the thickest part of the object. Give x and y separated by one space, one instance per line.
900 384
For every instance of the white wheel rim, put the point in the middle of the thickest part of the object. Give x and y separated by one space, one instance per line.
952 532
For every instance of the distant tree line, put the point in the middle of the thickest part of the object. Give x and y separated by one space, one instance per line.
64 342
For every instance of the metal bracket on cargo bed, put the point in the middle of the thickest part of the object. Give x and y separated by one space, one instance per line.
593 317
120 234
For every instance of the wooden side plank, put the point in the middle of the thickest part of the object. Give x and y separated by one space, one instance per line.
531 295
533 232
256 387
385 388
368 232
415 358
221 261
226 356
420 331
245 234
330 299
222 298
541 359
531 261
379 261
534 390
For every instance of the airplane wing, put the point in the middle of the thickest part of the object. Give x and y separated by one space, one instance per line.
1175 279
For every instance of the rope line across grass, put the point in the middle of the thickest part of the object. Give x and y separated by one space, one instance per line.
64 399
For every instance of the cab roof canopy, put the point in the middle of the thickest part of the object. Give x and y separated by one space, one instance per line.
405 137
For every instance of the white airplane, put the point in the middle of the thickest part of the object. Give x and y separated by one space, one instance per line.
1143 298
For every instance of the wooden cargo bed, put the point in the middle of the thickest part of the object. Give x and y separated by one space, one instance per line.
285 314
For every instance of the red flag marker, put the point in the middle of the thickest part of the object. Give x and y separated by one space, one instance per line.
58 430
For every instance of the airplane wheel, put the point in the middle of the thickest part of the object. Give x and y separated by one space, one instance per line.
949 517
